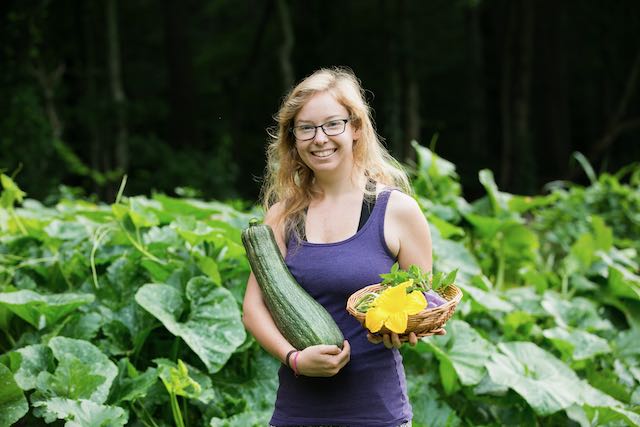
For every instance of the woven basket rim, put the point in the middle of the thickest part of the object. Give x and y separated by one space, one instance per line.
423 323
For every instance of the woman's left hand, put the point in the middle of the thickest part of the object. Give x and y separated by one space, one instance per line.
393 340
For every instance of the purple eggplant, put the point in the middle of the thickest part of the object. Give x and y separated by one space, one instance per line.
434 300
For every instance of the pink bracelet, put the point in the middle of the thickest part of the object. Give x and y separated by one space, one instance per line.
295 363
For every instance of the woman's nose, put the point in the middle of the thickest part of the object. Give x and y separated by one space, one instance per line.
320 137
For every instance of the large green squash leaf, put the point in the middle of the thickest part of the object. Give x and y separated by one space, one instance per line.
82 413
463 350
489 301
43 310
213 329
243 419
83 371
578 312
577 344
450 255
547 384
196 232
428 408
624 283
27 362
541 379
13 404
131 385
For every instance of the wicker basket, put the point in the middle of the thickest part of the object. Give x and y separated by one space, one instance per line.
423 324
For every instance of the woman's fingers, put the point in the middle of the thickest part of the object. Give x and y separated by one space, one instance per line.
323 360
345 355
413 339
392 340
386 340
395 340
374 339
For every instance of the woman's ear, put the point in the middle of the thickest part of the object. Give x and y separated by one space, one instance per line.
356 134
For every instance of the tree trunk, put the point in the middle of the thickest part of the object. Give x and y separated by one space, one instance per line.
117 92
505 97
288 41
477 106
410 85
181 124
555 123
91 90
393 107
616 123
48 83
524 179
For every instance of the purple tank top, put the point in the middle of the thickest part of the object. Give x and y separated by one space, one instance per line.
371 390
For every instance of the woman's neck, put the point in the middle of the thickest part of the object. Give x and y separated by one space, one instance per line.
337 185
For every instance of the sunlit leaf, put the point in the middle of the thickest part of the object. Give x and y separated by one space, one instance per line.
464 349
83 371
547 384
131 385
27 362
13 404
82 413
42 310
578 312
213 328
577 344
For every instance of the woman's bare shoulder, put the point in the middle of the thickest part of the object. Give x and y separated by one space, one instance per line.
402 204
274 213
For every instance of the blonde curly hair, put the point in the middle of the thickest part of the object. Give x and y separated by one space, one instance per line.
289 180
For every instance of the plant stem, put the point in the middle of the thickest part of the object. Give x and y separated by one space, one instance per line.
121 189
141 248
174 349
501 264
565 284
141 416
16 218
66 279
184 410
10 338
92 259
175 408
148 415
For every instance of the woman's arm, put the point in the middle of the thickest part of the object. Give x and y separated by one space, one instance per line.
320 360
407 235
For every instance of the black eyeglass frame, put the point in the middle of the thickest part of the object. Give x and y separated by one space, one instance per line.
315 130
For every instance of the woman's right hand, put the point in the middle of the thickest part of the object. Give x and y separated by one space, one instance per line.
323 360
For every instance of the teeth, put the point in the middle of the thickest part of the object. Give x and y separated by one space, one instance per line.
324 153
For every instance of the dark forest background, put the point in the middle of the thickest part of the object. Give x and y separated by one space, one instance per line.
178 94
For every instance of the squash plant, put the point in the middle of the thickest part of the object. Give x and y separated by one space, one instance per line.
101 302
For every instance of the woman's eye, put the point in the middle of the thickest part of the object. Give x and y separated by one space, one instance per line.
333 124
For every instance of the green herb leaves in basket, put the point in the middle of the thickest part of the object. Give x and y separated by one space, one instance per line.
402 293
421 280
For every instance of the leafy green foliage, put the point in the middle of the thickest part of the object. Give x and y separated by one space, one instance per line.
13 404
131 313
422 280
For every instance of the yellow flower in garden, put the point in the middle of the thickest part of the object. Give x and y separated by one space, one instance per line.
393 307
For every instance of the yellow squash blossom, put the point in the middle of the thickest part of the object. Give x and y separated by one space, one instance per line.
393 307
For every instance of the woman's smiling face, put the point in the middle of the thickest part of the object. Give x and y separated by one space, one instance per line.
325 153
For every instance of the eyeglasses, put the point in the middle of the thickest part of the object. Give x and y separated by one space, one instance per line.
330 128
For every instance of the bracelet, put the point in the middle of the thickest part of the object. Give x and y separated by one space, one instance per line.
286 359
295 364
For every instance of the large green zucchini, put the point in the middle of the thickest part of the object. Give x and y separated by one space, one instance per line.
299 317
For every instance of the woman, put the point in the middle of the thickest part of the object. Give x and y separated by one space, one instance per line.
339 207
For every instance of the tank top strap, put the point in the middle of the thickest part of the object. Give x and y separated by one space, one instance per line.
379 213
